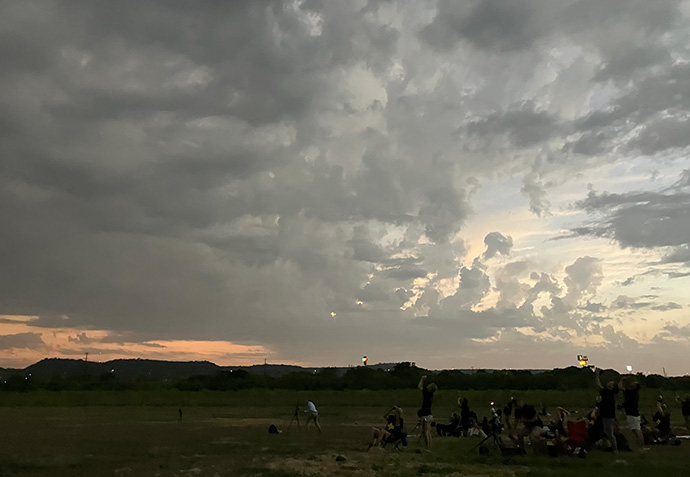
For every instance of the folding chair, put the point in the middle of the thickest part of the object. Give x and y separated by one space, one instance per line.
577 434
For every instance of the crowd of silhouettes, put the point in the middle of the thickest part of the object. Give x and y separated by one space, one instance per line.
561 432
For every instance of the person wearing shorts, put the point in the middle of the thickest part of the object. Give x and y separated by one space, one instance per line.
312 415
424 413
631 404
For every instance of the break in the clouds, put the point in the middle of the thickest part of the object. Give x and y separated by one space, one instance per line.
310 181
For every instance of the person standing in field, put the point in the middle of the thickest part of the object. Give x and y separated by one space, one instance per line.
685 409
424 413
312 415
607 408
631 404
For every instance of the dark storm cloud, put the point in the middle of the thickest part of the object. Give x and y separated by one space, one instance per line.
490 25
652 113
666 133
589 144
21 340
523 124
641 219
626 59
241 170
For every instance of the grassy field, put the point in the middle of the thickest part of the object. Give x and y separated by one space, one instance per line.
94 434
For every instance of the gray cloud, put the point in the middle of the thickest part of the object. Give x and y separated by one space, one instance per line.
489 25
21 340
623 302
667 306
82 338
239 171
582 277
497 243
642 220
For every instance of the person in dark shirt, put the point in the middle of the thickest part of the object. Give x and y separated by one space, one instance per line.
662 419
464 415
392 432
452 428
685 409
631 404
607 408
424 413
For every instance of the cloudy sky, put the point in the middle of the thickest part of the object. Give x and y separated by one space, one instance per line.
499 184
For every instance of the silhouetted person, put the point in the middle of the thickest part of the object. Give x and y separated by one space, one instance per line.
527 422
393 432
424 413
452 428
685 409
180 414
631 404
662 418
607 408
464 415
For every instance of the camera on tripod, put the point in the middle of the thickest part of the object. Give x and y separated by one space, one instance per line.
496 421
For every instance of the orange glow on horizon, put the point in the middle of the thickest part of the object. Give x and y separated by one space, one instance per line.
106 345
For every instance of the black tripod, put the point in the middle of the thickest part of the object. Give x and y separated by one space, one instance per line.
495 428
295 417
496 441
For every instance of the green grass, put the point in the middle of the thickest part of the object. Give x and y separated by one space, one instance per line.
72 434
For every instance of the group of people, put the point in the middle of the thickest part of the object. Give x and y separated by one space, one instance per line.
645 432
521 421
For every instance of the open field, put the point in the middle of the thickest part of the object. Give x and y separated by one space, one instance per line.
226 434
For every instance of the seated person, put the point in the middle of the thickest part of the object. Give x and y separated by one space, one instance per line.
475 427
662 428
393 430
595 429
596 437
556 429
452 428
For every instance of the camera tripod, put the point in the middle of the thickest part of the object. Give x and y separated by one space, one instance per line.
496 441
295 417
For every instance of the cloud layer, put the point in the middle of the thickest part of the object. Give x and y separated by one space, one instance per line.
316 180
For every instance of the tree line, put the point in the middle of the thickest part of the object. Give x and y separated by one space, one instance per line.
400 376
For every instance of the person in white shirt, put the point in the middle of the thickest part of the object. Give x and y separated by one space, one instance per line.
312 415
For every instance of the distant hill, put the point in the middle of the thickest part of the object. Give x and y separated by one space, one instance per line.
274 370
132 369
127 369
